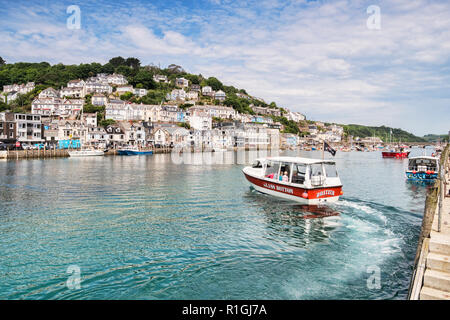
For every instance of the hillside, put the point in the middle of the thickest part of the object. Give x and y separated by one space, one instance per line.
57 76
435 137
382 132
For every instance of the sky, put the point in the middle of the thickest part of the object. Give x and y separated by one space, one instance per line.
335 61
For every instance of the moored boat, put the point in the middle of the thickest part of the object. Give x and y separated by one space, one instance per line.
308 181
134 151
86 153
423 168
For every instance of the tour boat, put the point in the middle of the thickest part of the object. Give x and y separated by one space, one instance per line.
86 153
423 168
133 151
308 181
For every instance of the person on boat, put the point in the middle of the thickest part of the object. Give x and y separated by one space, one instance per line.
285 177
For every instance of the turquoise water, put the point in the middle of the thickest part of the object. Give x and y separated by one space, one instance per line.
146 228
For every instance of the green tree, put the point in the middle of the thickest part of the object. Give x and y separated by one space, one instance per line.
2 62
145 78
134 63
117 61
214 83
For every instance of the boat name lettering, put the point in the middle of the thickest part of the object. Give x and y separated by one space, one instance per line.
278 188
325 193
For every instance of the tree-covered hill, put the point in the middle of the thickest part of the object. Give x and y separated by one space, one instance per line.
382 132
59 75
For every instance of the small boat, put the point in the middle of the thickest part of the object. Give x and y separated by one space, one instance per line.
133 151
423 168
86 153
304 180
395 154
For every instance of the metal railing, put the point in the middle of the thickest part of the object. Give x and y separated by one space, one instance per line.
442 183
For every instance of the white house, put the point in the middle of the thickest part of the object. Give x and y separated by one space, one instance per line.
124 88
178 94
181 82
99 99
116 79
140 92
75 92
49 93
207 91
98 87
76 83
160 78
220 95
200 121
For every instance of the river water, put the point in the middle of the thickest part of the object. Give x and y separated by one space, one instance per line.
147 228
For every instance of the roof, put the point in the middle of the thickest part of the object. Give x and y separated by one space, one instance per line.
424 157
297 160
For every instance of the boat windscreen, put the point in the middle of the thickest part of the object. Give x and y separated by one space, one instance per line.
330 170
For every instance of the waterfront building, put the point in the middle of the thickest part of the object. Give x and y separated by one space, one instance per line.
134 132
115 136
21 127
173 135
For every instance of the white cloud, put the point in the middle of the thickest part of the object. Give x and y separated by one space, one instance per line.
316 57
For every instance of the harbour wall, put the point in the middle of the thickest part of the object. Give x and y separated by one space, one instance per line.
433 212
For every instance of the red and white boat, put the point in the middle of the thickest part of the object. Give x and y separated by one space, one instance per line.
398 153
308 181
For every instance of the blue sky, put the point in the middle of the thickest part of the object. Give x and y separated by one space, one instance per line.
316 57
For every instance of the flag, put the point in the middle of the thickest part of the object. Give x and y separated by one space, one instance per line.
326 147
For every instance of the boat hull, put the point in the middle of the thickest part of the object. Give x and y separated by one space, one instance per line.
125 152
422 176
75 154
396 155
289 192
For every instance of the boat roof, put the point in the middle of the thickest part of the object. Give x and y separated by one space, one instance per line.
424 157
296 160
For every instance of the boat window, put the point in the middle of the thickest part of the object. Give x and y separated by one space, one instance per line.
285 168
299 173
330 170
272 170
257 164
316 174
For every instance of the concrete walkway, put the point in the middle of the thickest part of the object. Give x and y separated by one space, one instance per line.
436 279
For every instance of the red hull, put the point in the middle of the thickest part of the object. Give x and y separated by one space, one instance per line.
317 193
397 155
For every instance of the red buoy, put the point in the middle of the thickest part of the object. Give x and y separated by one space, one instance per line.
305 195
